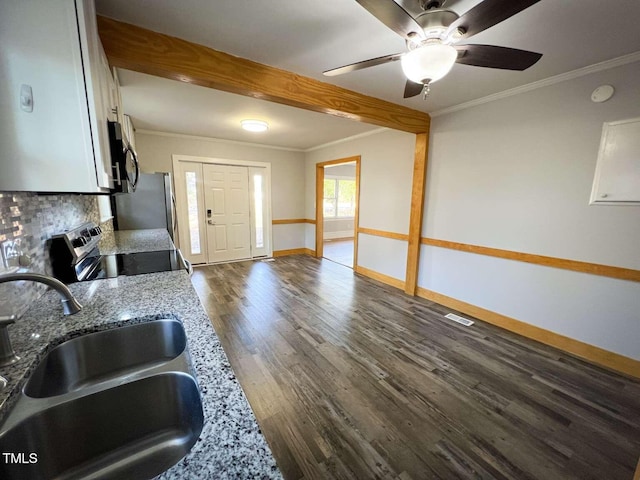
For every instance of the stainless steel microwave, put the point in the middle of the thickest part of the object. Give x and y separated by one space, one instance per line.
124 161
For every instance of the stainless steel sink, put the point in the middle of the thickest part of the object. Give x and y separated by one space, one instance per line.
133 431
98 357
121 403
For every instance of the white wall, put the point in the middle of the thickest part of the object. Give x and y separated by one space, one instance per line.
516 174
386 175
287 173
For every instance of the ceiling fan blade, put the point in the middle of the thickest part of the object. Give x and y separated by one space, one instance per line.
487 14
364 64
411 89
496 57
394 16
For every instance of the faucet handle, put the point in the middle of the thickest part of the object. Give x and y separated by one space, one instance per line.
6 320
7 354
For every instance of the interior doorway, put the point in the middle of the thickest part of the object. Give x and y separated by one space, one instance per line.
223 209
337 207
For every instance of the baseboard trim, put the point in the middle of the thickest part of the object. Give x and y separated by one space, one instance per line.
294 251
585 351
380 277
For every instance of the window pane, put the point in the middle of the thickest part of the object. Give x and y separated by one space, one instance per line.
329 207
346 198
192 210
257 196
329 188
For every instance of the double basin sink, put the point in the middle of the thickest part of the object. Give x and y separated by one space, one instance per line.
116 404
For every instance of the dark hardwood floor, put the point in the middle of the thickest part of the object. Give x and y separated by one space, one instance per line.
349 378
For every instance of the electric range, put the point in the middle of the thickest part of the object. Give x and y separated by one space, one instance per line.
75 257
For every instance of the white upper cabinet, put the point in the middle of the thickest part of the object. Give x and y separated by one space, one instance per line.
57 141
617 177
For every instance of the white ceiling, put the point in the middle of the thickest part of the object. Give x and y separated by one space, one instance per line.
308 37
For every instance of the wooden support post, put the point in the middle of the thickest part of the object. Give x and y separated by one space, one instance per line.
319 212
417 207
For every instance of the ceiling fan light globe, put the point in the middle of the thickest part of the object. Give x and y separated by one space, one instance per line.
428 63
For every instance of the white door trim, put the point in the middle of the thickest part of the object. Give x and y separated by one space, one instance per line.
177 158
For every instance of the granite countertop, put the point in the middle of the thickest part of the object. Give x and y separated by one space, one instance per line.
134 241
231 444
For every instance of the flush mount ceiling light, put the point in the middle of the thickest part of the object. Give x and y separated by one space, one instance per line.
254 125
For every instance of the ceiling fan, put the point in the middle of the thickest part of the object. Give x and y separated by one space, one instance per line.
432 38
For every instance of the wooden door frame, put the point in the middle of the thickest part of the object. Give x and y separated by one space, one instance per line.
320 200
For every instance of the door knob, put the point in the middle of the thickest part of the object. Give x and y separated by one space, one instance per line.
211 222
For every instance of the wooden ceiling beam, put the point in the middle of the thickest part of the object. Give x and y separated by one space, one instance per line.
141 50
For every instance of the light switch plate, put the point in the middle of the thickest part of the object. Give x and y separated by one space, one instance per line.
26 98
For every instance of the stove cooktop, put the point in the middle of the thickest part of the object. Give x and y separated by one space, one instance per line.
75 257
141 263
111 266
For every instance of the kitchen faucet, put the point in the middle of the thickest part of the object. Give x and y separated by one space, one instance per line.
69 304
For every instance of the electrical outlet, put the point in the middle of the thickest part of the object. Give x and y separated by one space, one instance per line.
11 252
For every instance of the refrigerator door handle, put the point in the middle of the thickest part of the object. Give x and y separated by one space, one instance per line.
175 215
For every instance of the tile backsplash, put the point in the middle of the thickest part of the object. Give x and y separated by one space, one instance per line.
34 218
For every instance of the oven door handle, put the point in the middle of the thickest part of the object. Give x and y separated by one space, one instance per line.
186 263
89 271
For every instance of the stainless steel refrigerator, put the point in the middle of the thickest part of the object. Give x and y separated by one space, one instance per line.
152 205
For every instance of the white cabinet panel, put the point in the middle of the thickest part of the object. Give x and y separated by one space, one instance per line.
617 178
51 45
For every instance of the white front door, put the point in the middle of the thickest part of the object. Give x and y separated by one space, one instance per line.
227 216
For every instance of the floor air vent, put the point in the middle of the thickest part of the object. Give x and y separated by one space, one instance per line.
464 321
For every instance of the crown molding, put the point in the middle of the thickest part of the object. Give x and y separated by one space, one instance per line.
347 139
216 140
563 77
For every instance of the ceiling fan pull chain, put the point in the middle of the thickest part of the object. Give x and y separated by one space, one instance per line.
426 90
